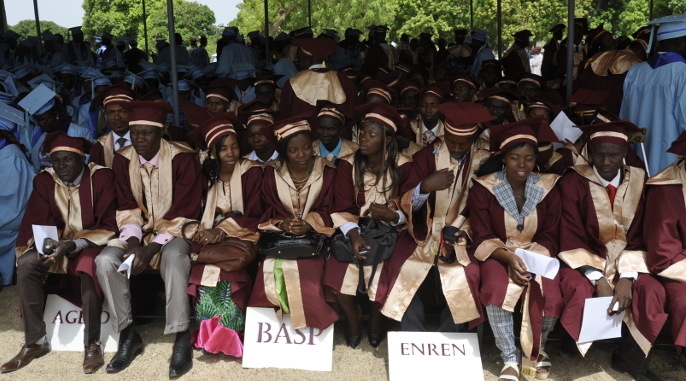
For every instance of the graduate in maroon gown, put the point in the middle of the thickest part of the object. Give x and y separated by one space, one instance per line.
159 188
602 247
316 81
297 189
665 224
516 59
232 210
80 200
369 184
446 168
110 100
516 208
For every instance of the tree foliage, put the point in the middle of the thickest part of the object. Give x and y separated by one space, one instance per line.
125 18
28 28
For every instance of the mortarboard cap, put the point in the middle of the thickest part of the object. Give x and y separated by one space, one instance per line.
11 34
318 48
280 131
557 27
217 127
616 132
531 131
670 26
148 113
230 31
436 90
59 141
112 95
260 106
221 88
353 32
48 36
184 85
523 35
36 101
533 78
75 30
10 117
102 81
467 79
374 87
241 70
480 34
43 79
107 35
588 101
462 118
381 113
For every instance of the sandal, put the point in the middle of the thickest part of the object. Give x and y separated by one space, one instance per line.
543 366
511 377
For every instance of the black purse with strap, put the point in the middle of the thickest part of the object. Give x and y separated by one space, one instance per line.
379 236
288 246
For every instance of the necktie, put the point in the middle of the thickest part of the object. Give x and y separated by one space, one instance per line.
611 191
428 137
330 157
148 167
121 142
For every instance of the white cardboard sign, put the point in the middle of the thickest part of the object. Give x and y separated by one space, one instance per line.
65 326
433 355
269 343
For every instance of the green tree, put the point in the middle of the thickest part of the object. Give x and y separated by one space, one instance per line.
28 28
125 17
438 18
288 15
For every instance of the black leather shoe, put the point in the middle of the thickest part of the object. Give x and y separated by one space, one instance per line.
353 340
182 357
638 372
375 339
130 346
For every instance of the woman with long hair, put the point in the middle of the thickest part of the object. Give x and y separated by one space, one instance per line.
297 188
367 183
232 210
517 208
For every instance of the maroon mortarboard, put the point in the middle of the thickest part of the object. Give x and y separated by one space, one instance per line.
379 88
532 130
533 78
436 89
257 106
463 118
380 113
588 101
193 113
545 104
500 94
216 127
59 141
467 79
317 48
616 132
221 88
279 131
148 113
114 94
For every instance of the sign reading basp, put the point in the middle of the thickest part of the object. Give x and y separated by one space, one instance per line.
65 326
433 355
270 343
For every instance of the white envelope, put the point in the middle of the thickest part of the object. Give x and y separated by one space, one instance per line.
597 324
540 264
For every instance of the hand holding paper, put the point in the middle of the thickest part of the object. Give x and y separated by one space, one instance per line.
540 264
597 324
41 232
127 265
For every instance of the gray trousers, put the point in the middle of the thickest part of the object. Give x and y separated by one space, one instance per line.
502 324
175 266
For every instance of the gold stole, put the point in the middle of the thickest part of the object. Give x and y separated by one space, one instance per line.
613 224
107 142
292 200
448 205
310 86
518 240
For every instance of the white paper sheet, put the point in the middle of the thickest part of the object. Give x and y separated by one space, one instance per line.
564 128
41 232
597 324
540 264
127 265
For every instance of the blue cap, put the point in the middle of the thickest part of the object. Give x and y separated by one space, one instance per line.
165 66
90 73
10 86
184 85
670 26
133 79
40 100
10 117
23 70
182 69
98 39
196 73
116 74
66 68
150 73
241 70
480 34
43 79
102 81
230 31
7 99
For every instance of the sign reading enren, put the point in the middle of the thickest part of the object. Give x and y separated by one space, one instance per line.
433 355
65 326
270 343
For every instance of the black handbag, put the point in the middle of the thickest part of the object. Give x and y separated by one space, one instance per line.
379 236
288 246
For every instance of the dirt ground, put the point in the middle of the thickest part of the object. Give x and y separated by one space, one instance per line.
363 363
